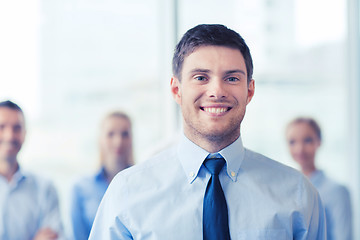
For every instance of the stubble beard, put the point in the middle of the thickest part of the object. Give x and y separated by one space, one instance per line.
10 159
216 138
10 156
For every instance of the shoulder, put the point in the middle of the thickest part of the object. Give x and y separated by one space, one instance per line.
40 182
334 187
153 164
254 160
278 176
332 191
89 187
41 187
84 181
140 182
154 171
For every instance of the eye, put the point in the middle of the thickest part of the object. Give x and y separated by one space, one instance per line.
308 140
125 134
291 142
17 128
232 79
200 78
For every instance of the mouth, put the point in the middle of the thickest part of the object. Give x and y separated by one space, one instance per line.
215 110
9 146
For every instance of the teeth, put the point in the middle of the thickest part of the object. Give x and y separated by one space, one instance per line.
215 110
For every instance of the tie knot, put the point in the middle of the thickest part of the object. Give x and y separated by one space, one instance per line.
214 165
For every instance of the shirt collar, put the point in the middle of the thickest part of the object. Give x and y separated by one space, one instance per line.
100 175
192 157
234 155
316 177
16 178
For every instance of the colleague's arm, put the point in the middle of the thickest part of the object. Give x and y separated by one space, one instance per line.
340 212
79 228
50 212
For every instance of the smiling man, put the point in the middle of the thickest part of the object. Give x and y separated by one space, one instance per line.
208 186
28 205
212 91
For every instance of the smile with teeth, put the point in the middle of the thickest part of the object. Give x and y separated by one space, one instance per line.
215 109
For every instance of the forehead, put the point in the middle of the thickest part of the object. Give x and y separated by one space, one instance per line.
11 116
301 128
116 122
215 56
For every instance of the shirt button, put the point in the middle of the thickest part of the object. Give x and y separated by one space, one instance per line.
233 174
192 174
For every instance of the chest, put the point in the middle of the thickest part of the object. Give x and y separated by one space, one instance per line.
176 210
20 212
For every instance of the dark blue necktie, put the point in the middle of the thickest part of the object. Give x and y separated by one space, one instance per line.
215 213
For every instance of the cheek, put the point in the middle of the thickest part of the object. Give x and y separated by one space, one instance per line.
311 150
293 151
127 144
105 144
292 148
297 152
193 93
20 137
240 95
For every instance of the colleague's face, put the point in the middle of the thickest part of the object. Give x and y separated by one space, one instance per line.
116 142
303 143
213 93
12 133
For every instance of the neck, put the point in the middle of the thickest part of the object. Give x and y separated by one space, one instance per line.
8 168
110 173
213 144
307 171
110 176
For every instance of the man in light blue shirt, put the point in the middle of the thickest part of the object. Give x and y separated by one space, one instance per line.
163 197
29 208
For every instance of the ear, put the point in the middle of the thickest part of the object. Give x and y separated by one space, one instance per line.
175 87
251 90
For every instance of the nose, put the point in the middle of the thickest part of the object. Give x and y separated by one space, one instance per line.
299 148
118 140
8 134
217 89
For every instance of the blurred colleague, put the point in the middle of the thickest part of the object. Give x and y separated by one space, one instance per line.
116 154
29 207
208 186
304 139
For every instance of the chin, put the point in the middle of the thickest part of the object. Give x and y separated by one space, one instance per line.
303 162
219 136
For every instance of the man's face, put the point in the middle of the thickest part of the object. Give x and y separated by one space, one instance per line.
12 133
303 144
213 93
116 143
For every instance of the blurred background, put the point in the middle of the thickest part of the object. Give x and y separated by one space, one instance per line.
68 62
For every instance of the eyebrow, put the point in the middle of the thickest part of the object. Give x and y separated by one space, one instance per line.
200 70
235 71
